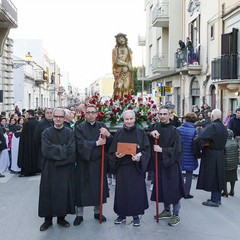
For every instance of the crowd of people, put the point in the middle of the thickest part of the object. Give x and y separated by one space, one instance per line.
75 154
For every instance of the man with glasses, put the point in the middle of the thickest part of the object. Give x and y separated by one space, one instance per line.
56 195
90 136
170 181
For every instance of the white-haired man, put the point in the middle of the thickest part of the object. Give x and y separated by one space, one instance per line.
211 141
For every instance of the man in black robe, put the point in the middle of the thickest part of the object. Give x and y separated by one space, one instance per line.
170 181
211 141
130 192
28 154
56 195
45 123
90 136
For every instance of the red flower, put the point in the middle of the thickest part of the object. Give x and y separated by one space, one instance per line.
149 112
129 107
154 106
99 117
140 105
140 99
150 118
138 114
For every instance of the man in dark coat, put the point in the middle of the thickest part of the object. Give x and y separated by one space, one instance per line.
130 192
211 141
28 154
56 195
90 136
45 123
168 148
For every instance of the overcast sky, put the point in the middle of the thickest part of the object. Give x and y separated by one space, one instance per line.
79 34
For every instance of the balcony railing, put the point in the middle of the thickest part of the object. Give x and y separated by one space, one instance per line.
159 62
225 67
160 14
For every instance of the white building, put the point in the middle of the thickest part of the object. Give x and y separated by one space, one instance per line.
213 28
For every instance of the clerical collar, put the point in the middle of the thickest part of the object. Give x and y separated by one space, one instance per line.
58 127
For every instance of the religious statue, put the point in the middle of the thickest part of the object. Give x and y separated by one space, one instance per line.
122 67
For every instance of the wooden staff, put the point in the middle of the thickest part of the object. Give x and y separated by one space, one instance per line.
101 186
156 180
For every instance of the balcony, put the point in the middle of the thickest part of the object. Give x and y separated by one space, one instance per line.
183 65
160 14
39 76
160 63
8 20
225 67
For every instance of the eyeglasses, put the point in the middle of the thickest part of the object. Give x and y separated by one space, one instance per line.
163 114
58 116
91 112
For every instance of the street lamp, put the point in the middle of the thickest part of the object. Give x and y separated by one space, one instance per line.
19 63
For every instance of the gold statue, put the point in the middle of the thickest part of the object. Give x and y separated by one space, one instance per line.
122 67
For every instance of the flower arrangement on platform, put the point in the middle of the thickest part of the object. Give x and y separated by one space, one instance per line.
110 111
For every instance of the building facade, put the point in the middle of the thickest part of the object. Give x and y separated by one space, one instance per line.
211 74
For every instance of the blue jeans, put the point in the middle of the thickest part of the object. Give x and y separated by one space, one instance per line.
176 208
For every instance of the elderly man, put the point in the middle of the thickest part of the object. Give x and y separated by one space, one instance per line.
211 141
56 195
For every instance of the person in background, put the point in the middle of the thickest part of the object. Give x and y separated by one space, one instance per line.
69 119
234 125
188 159
173 116
80 114
211 142
181 54
231 163
28 155
45 123
190 49
130 171
227 119
56 191
3 147
169 149
14 151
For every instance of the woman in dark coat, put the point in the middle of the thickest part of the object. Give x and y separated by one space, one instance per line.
188 160
231 163
130 192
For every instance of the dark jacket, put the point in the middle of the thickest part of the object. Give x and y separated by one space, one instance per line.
212 141
231 155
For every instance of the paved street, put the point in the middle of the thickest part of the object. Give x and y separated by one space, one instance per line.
19 219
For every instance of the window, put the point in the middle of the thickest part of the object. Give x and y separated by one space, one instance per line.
212 32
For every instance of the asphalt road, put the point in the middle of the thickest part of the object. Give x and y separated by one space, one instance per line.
19 219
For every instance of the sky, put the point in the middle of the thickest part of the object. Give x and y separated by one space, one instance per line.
79 34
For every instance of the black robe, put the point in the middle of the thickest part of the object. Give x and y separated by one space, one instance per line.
130 191
170 181
56 195
27 154
88 168
211 174
43 124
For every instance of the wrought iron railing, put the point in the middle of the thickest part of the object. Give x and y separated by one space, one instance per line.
225 67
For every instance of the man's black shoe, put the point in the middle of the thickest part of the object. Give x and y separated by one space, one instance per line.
45 226
188 196
78 220
97 216
63 222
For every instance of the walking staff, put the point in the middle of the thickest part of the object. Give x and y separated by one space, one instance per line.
101 185
156 180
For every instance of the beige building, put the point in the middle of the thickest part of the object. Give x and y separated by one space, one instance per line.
103 86
213 75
